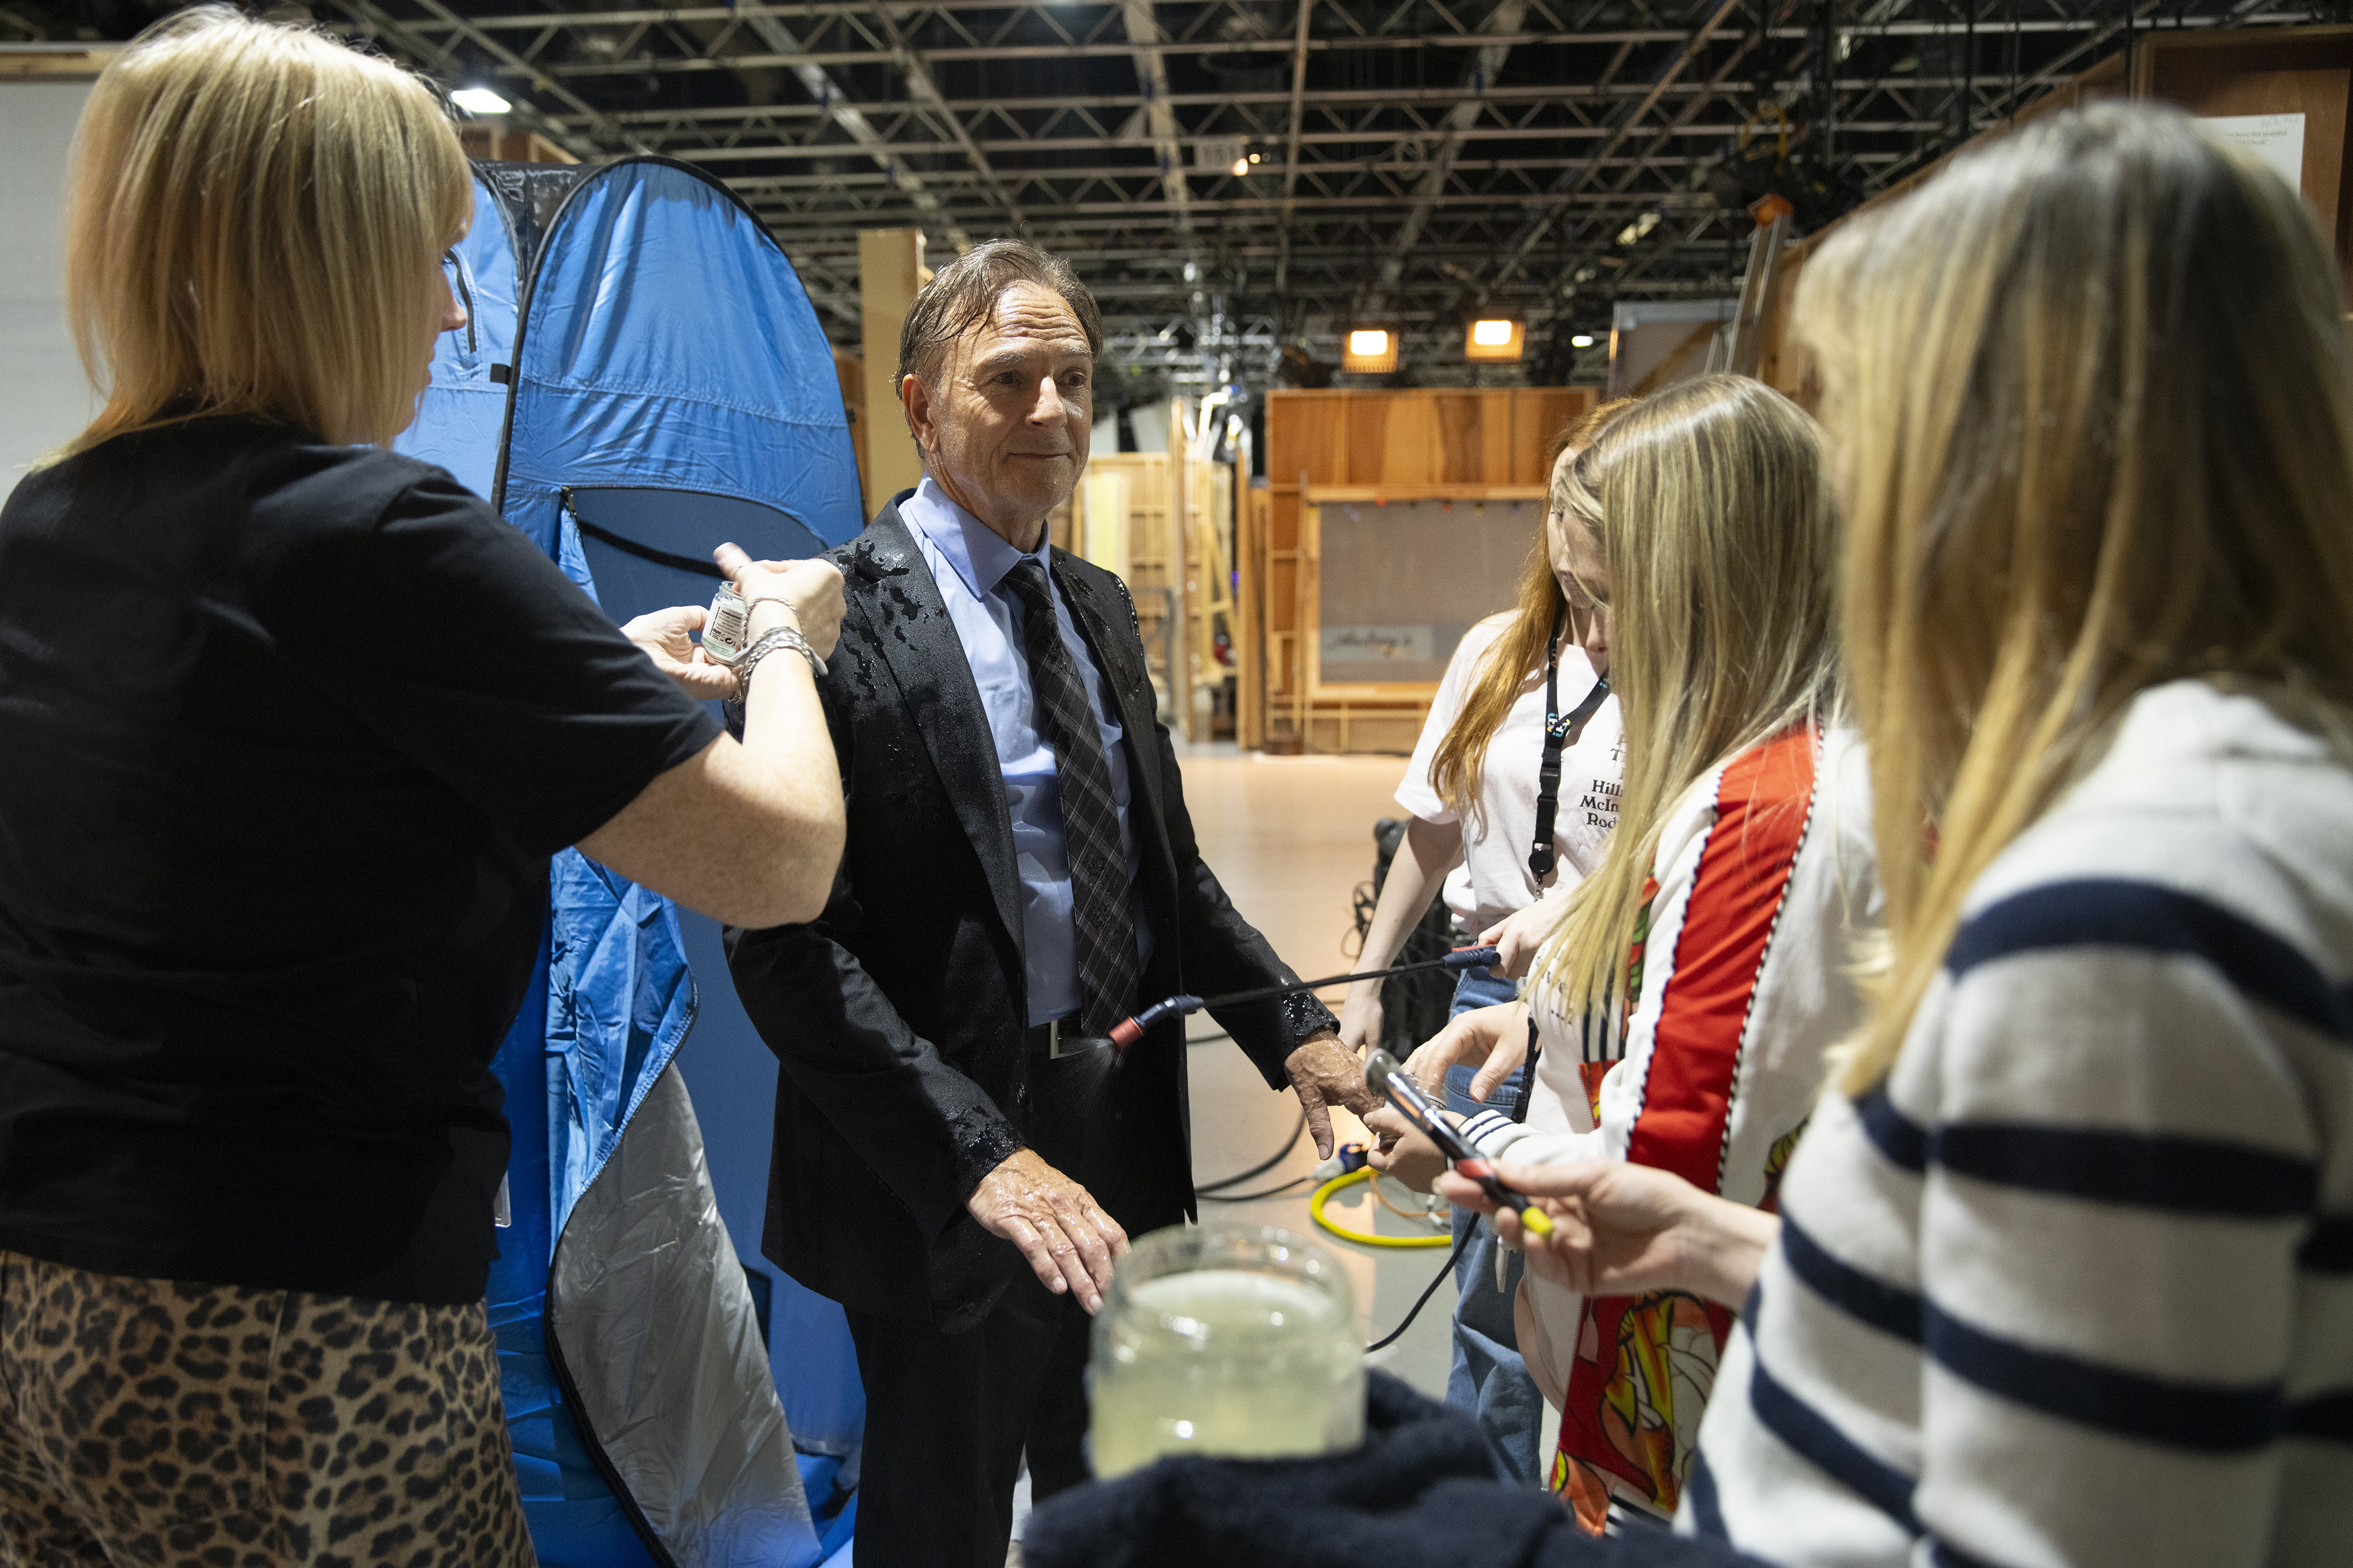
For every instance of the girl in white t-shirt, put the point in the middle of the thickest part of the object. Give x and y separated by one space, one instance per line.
1471 792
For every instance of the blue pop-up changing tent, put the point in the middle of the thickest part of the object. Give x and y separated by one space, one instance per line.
641 379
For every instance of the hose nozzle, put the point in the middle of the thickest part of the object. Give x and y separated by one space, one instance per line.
1127 1031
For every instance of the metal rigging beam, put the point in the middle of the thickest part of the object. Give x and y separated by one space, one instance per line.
933 106
1159 115
1338 98
1486 67
602 134
1291 162
1570 185
566 19
1160 119
1679 125
835 105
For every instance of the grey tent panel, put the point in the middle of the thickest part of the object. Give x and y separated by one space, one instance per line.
652 1328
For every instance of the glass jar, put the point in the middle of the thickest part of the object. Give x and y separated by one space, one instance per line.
1231 1340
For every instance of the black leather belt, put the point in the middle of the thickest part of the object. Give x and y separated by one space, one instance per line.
1058 1037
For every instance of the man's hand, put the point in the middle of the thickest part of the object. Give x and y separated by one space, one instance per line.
1402 1150
1520 935
1058 1225
668 638
1324 1073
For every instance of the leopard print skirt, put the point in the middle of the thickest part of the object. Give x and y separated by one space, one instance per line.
154 1422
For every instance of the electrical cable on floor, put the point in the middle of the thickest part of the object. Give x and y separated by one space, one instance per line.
1289 1186
1203 1189
1385 1341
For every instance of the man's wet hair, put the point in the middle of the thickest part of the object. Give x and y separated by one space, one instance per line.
962 294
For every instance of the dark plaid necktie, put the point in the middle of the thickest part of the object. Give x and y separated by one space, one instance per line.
1105 933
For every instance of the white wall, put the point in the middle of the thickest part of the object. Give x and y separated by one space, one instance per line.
1150 423
43 396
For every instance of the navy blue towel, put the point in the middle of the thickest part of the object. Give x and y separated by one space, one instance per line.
1421 1491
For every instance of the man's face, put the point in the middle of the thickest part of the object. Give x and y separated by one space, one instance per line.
1004 427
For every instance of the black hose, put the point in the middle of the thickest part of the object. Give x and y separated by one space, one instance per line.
1452 1258
1289 1186
1263 1167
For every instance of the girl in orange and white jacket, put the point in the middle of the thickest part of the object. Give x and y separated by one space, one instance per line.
1683 1002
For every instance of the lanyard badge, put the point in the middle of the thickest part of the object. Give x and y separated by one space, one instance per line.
1558 727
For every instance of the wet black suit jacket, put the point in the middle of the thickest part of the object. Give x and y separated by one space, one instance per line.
899 1014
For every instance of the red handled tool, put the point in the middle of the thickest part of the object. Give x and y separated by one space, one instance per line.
1394 1083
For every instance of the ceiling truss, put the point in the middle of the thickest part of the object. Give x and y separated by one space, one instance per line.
1407 163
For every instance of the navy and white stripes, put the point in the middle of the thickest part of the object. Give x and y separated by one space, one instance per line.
2076 1285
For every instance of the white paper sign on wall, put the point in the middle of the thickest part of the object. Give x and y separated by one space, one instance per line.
1378 645
2276 139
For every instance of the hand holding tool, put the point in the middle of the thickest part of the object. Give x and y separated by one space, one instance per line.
1392 1081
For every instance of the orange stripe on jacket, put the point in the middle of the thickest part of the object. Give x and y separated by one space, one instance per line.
1761 807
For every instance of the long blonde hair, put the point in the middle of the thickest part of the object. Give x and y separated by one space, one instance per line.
254 224
1712 510
2091 395
1458 766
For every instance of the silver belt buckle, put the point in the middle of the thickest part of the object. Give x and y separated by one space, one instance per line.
1079 1044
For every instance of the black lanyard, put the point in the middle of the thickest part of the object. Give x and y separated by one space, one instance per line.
1542 857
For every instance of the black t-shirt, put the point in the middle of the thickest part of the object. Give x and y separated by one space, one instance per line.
288 732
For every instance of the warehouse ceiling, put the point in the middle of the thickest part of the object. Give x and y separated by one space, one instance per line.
1242 180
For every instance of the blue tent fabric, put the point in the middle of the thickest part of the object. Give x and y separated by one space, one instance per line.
620 1000
748 405
642 358
461 416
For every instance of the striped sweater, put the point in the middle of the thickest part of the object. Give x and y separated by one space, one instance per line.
1739 985
2076 1285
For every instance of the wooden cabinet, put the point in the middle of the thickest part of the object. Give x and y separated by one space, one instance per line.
1449 455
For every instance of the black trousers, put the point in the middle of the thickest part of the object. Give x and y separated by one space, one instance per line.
948 1417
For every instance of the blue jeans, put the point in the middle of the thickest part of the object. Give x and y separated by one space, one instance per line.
1488 1381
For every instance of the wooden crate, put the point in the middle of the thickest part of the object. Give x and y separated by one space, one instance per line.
1462 445
1251 525
850 371
1206 498
1126 519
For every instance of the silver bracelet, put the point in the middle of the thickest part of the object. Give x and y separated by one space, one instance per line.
767 642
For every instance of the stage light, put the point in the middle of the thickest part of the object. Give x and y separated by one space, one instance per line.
1371 351
1241 166
480 101
1582 341
1497 337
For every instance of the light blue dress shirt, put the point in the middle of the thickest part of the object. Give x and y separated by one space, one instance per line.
969 563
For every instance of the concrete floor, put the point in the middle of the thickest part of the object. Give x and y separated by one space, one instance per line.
1291 837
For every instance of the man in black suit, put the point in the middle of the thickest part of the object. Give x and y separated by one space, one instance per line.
960 1151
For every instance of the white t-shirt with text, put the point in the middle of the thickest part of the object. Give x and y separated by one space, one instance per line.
1493 879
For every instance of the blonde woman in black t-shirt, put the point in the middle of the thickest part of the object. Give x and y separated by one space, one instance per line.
289 726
